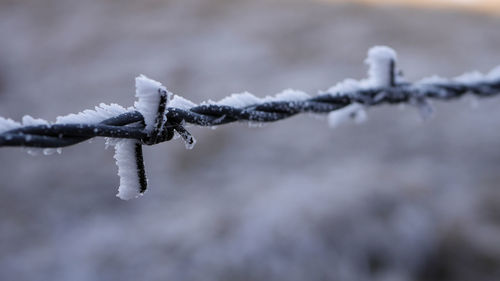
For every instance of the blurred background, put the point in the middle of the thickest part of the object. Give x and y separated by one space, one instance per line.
394 198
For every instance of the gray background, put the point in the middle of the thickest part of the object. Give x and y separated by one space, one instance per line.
392 199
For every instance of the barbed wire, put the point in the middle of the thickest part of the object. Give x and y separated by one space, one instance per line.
384 86
62 135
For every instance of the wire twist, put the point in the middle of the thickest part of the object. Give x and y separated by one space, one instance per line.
130 125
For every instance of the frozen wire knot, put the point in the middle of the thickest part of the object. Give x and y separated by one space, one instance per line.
152 103
382 74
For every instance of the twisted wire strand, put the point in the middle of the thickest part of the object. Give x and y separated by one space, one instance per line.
152 120
130 125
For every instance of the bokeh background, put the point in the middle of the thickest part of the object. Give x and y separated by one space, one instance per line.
394 198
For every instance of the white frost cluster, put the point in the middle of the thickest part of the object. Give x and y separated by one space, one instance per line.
30 121
7 124
466 78
99 114
239 100
476 76
148 92
347 87
379 60
128 171
181 102
288 95
470 77
353 111
380 72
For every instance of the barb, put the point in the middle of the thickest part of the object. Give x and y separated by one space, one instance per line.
157 117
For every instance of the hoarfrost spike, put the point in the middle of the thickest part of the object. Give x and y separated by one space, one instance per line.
149 93
129 159
382 66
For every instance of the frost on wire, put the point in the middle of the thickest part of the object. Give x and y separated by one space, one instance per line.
152 98
382 72
146 122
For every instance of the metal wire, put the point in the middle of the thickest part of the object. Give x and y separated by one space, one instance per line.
380 89
130 125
